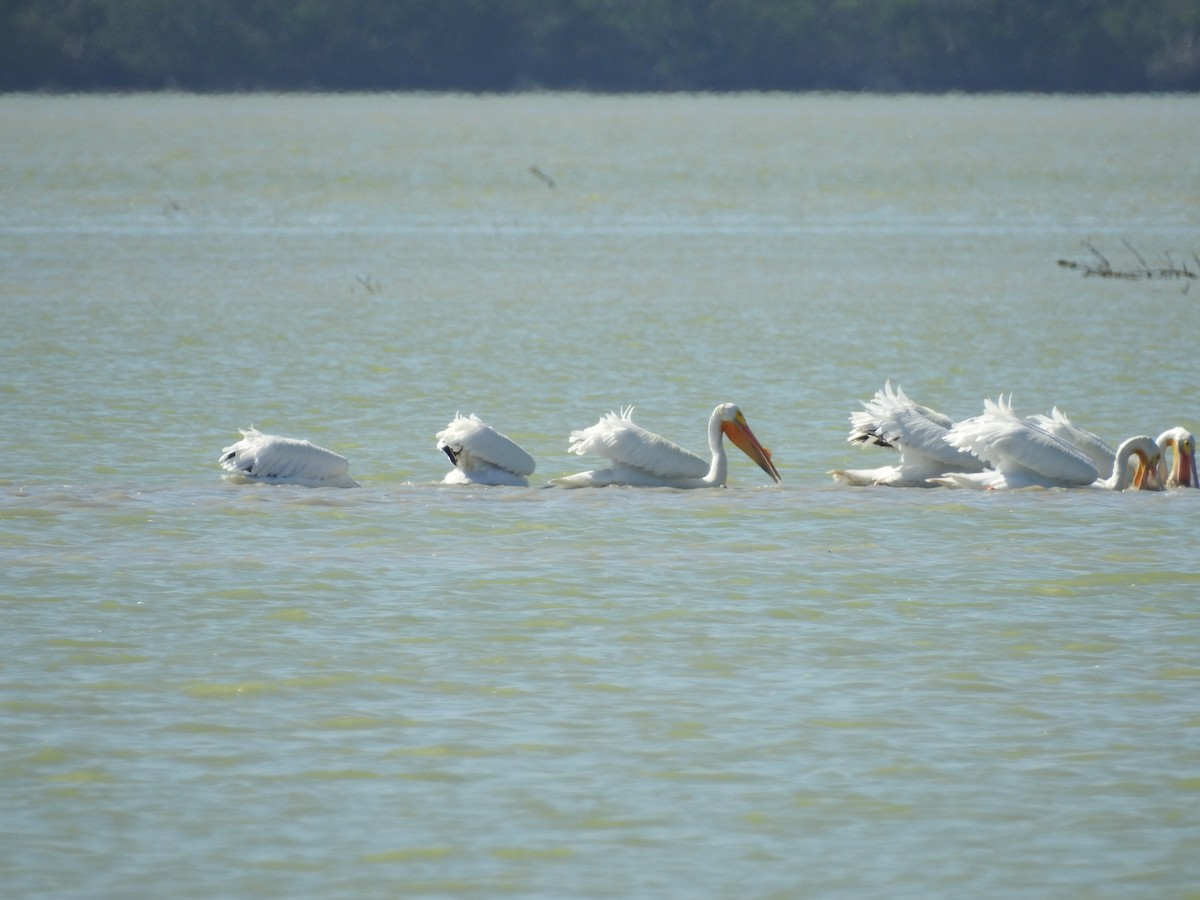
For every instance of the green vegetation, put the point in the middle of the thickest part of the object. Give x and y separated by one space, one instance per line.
602 45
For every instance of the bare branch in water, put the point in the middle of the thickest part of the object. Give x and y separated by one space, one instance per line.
1100 267
372 286
538 173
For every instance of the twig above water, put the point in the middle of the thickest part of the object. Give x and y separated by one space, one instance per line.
372 286
1100 267
538 173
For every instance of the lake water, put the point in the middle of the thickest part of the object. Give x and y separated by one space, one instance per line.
218 690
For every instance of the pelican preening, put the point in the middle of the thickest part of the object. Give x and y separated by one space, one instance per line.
272 459
482 455
998 450
640 458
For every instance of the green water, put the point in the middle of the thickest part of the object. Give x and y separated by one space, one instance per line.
211 689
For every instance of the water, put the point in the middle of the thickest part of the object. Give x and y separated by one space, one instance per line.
210 689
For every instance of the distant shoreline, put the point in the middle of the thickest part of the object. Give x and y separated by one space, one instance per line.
514 46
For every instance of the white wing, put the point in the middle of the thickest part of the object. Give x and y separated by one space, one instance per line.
483 454
1020 451
617 438
1093 446
891 419
868 425
284 460
917 431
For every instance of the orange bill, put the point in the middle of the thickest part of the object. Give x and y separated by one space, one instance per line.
741 435
1185 465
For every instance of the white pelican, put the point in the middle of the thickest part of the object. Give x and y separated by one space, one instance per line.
282 460
1093 446
891 419
1025 455
1182 472
643 459
482 455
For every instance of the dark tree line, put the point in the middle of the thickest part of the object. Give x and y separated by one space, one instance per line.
601 45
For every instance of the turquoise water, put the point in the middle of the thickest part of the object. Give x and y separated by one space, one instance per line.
212 689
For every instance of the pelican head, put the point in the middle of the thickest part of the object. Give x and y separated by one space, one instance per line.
1145 476
1182 472
733 425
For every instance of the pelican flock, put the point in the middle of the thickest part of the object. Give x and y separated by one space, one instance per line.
995 450
1000 450
482 455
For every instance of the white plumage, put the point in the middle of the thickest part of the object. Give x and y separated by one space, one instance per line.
1182 445
482 455
1022 454
891 419
1093 446
274 459
617 437
641 458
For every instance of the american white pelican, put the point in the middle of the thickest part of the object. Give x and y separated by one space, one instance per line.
282 460
1093 446
1182 472
643 459
1024 455
482 455
891 419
